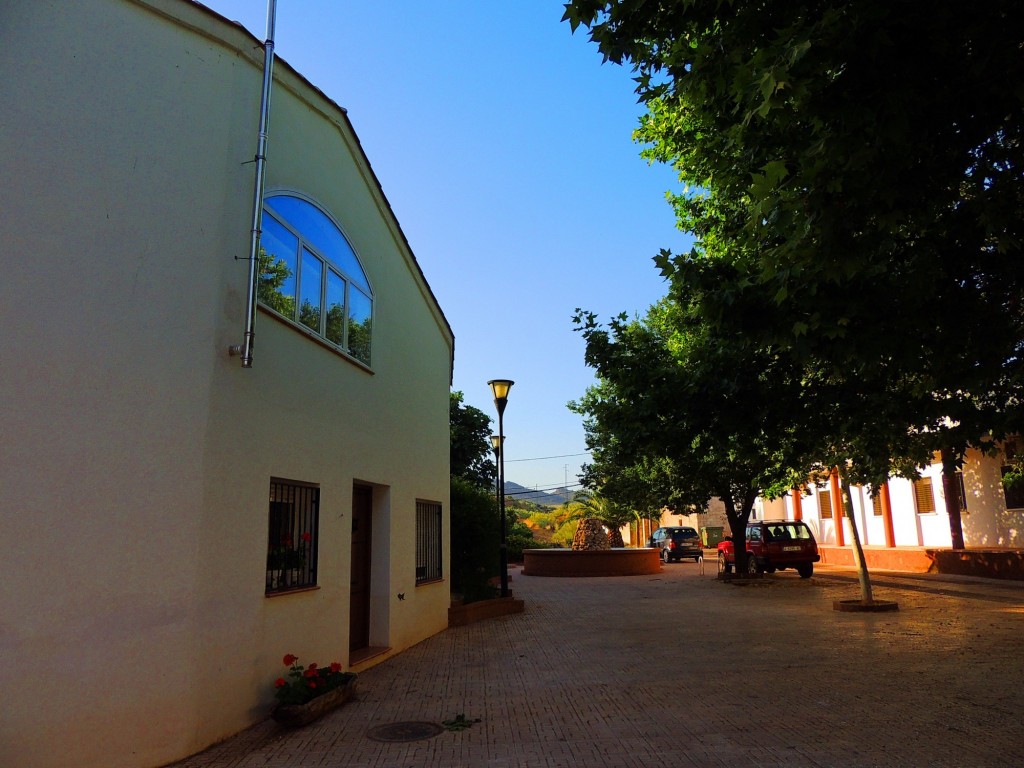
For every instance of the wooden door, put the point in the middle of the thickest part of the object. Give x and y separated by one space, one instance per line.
359 605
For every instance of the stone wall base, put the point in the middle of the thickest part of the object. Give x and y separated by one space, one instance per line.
987 563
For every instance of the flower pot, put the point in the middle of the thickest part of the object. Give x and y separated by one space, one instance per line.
296 715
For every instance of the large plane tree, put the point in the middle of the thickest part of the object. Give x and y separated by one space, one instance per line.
857 166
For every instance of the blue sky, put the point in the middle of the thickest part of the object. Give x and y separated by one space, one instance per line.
504 147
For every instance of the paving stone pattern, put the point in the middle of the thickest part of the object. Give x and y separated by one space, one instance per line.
683 670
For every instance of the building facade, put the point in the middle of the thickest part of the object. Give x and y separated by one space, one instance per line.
175 523
904 513
912 513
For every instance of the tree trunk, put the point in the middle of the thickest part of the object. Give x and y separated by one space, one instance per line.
858 551
951 490
738 519
738 534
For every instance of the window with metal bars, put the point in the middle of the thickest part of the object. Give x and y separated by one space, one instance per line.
428 541
292 537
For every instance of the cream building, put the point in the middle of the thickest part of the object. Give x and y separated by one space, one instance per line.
174 523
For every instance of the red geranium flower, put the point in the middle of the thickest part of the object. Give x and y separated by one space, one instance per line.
307 537
302 684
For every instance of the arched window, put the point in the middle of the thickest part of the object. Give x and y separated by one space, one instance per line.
310 275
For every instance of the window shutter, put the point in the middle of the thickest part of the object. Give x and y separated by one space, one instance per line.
824 503
876 502
923 495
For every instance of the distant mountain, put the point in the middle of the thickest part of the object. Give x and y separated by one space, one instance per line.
549 498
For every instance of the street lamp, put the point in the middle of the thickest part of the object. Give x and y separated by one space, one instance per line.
496 447
500 388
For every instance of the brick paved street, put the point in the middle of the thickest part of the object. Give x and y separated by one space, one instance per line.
681 669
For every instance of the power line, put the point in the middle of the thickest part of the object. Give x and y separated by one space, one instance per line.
542 458
538 491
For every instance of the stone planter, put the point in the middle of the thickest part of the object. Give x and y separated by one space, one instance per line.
296 715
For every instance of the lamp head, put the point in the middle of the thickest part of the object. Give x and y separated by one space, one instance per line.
500 388
496 443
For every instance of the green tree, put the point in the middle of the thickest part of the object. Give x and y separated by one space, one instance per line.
861 195
359 334
713 418
309 315
564 534
475 525
470 442
594 505
273 276
519 537
474 540
335 324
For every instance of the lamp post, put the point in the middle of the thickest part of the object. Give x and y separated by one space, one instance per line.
496 441
500 388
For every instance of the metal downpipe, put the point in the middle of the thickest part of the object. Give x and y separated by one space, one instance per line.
257 203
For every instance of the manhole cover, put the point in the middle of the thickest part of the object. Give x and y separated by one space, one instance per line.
411 731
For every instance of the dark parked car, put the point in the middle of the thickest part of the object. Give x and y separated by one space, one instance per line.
677 542
774 545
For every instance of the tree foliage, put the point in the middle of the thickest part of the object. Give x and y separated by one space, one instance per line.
588 504
470 442
274 275
596 506
700 416
475 524
853 177
474 539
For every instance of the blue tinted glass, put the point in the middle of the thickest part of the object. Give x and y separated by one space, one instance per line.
335 329
321 232
309 290
278 255
359 325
